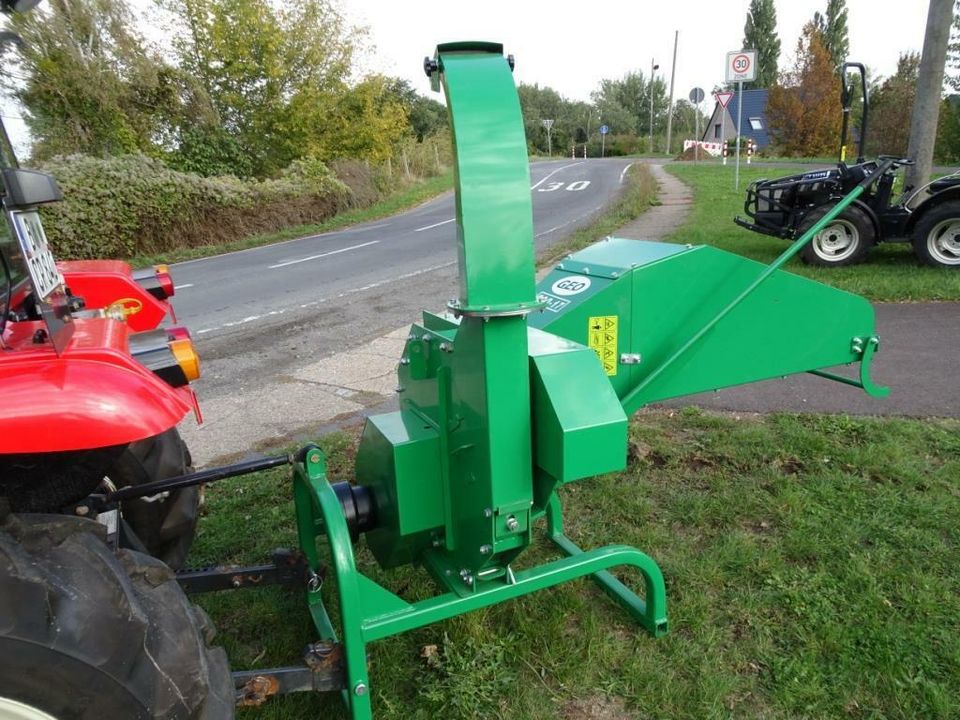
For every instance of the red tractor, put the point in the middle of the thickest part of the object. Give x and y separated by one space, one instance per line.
93 386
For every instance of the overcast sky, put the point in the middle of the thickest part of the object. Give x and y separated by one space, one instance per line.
570 46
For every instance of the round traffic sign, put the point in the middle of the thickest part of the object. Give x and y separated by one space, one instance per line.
741 64
604 129
697 95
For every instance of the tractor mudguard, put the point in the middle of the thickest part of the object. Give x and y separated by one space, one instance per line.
935 200
92 395
102 283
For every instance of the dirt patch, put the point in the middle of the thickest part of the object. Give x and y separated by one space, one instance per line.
595 708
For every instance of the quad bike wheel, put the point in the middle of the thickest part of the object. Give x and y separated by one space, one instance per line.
936 238
846 240
166 524
89 633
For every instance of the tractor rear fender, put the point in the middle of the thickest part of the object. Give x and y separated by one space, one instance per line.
87 397
935 200
103 283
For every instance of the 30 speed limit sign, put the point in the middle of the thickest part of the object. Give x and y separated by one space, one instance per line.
741 66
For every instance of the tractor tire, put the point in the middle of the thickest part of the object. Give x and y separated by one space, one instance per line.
165 525
845 241
936 237
86 633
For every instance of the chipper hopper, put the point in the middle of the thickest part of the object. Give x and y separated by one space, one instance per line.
515 391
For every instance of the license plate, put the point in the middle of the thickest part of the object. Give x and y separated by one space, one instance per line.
40 261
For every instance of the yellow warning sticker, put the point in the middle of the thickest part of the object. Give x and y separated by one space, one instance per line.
602 339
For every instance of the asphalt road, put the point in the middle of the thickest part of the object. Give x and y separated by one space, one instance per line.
258 312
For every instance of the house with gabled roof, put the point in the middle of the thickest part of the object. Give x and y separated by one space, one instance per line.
723 121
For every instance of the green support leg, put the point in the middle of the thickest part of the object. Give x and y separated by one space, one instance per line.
370 612
652 613
315 500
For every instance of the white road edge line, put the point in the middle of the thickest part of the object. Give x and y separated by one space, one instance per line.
428 227
550 175
181 287
318 236
345 293
315 257
623 174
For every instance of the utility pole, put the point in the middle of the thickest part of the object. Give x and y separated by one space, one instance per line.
673 71
652 69
926 106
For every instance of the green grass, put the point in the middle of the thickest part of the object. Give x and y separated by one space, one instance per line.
639 193
812 565
396 202
891 272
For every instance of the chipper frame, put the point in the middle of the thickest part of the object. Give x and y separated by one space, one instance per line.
517 391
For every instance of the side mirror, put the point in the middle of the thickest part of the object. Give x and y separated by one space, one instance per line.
26 188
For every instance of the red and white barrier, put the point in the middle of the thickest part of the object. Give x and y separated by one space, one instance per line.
714 149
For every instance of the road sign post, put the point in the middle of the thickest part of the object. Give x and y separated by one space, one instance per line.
723 99
696 97
548 124
603 138
741 67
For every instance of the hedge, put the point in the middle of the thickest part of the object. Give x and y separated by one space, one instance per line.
123 206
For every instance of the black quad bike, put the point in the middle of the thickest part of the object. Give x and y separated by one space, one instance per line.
928 216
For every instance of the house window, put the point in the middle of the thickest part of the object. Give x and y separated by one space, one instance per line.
756 123
716 130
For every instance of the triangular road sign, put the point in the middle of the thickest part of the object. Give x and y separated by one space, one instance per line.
723 98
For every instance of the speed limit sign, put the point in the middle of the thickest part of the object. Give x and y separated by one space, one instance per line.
741 66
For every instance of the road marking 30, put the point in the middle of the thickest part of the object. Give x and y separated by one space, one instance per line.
550 175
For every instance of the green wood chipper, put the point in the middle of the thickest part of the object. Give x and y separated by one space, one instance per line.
515 391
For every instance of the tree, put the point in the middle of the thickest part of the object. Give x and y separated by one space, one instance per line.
89 83
760 34
891 105
803 109
953 50
833 26
279 79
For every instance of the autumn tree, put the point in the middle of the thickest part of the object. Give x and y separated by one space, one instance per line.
88 81
891 106
833 27
279 79
803 109
760 34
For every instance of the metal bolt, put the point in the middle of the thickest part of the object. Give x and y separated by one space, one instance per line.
399 388
446 347
586 269
512 524
404 361
613 274
486 549
82 510
236 582
466 577
411 336
360 689
560 266
488 512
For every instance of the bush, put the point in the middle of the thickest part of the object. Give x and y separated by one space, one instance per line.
128 205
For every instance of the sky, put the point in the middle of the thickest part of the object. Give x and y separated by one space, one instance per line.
571 46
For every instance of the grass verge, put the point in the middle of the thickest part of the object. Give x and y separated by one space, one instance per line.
390 205
811 565
639 193
891 272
